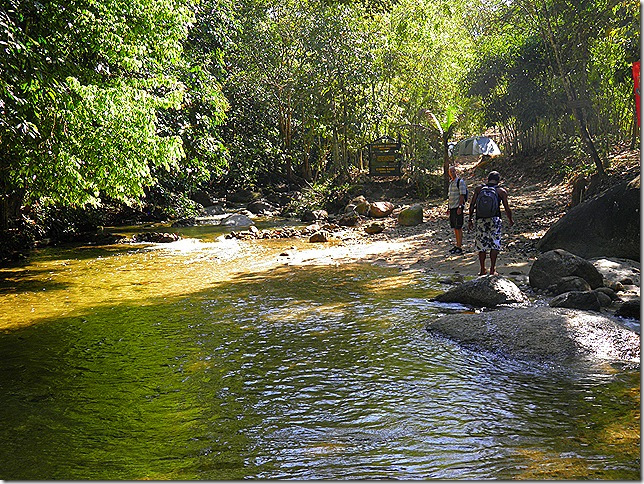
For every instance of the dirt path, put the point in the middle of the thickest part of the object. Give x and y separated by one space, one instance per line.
536 204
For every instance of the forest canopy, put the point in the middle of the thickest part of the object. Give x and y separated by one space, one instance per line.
114 100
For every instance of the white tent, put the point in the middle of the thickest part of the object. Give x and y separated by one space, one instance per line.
478 145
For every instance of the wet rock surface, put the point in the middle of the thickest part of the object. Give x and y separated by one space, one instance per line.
486 291
546 334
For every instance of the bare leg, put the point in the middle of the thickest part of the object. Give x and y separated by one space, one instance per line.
459 237
493 256
482 262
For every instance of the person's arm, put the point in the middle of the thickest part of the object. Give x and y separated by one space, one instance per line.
506 205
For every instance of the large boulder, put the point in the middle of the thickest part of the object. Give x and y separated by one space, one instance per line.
550 268
569 283
313 215
485 291
604 226
259 207
553 335
411 215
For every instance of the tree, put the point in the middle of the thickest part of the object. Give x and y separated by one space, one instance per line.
80 88
445 130
549 70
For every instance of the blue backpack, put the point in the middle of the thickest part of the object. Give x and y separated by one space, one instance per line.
487 202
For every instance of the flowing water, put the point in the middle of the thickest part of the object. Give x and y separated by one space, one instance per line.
194 361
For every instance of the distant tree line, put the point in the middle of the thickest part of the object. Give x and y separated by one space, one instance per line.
125 100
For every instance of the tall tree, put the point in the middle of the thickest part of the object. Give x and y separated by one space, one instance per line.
80 87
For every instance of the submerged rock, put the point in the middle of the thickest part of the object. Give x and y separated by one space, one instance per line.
485 291
541 334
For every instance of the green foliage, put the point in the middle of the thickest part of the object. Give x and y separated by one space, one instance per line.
81 91
116 99
546 63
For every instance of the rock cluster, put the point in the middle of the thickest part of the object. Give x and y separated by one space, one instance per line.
310 231
572 326
581 284
156 237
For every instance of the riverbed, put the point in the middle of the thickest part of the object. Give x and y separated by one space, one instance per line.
218 359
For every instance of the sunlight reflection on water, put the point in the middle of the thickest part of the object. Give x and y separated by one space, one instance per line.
189 361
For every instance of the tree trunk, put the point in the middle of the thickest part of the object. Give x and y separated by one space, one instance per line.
445 140
635 130
571 95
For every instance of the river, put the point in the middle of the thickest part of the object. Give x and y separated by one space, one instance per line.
195 360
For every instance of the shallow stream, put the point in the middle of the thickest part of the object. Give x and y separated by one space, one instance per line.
193 361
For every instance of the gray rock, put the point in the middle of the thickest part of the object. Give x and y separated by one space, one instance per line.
609 292
629 309
312 215
576 300
216 209
552 266
411 216
185 222
569 283
546 334
349 219
236 220
259 207
243 196
607 225
202 197
603 298
485 291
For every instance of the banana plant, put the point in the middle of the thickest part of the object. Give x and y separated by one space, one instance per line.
445 130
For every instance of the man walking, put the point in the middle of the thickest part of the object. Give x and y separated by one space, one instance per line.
457 194
487 200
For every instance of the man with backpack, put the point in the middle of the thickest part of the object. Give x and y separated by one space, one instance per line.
486 201
457 196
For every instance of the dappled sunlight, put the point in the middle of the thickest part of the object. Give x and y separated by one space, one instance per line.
390 284
302 370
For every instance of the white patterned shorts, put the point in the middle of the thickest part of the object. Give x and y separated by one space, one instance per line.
488 234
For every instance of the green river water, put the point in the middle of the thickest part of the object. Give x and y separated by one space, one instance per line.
192 360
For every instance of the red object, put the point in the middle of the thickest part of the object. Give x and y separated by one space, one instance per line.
636 88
